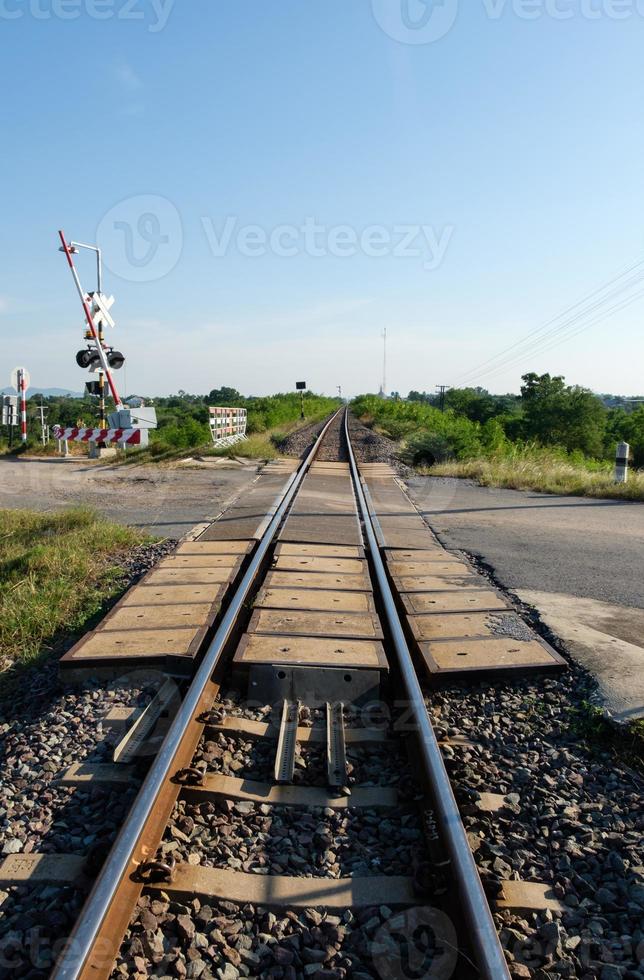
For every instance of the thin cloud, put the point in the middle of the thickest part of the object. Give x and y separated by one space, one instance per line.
4 304
127 77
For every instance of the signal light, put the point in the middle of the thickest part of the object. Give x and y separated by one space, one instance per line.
87 358
115 359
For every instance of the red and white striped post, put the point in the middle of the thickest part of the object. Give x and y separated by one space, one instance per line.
22 393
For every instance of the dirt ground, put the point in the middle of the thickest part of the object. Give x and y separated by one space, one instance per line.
166 501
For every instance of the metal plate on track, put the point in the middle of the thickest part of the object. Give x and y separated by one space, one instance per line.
157 595
315 623
339 600
201 547
483 654
321 550
435 554
440 568
257 648
435 583
314 563
461 600
198 561
454 625
326 529
313 685
131 644
158 617
189 576
420 538
313 580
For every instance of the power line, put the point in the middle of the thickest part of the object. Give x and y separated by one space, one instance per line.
542 333
555 342
536 346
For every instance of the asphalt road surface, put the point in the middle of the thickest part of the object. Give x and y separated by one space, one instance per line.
579 561
167 501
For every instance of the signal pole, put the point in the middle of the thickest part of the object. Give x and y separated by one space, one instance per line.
383 386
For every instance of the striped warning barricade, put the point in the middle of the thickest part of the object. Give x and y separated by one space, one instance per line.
109 437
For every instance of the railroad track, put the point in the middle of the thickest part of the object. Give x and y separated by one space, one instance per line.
313 631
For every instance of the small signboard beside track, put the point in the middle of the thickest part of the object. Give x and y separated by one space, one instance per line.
227 425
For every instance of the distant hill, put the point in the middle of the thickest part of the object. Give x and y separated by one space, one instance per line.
47 392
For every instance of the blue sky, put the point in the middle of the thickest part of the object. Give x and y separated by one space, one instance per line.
274 182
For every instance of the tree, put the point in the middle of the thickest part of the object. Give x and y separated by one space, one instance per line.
628 427
228 397
560 415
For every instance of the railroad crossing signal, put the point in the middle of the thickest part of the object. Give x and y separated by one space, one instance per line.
9 409
99 307
15 378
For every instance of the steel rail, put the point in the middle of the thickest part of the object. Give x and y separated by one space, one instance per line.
485 941
118 864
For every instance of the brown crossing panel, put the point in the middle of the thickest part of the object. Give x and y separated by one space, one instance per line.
449 566
315 623
246 518
199 561
319 550
256 648
487 653
460 600
107 647
438 583
163 619
322 599
313 563
315 527
202 548
437 553
435 626
170 616
319 580
451 611
146 593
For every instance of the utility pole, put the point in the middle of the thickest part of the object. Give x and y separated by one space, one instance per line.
383 386
44 428
441 391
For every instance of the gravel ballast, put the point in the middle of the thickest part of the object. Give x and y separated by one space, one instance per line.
573 819
45 728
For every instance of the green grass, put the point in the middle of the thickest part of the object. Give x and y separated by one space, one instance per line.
545 471
56 571
444 444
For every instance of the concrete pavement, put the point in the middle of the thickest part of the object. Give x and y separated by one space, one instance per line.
578 561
